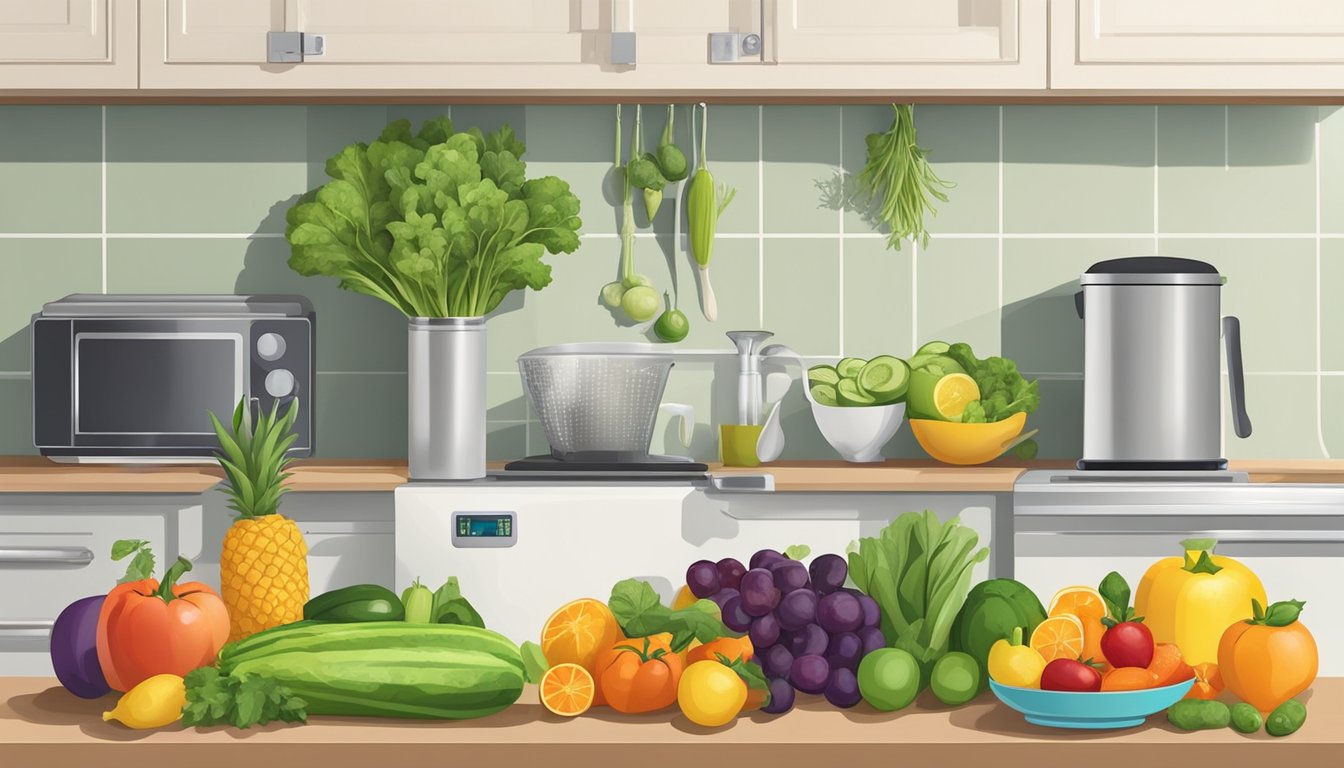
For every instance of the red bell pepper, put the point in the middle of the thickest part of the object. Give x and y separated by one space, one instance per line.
149 628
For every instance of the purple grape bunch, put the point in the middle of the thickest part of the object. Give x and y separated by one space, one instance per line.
808 629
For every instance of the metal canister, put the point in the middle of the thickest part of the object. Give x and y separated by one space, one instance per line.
446 398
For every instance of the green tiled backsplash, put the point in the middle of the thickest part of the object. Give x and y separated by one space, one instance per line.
192 199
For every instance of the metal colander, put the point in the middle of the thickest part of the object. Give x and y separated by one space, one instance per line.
596 402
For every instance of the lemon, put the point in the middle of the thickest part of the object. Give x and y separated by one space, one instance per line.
952 393
153 703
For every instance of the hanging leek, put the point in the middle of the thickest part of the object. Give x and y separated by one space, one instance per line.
704 204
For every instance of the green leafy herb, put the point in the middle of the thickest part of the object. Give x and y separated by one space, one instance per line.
1280 614
1003 390
437 224
1115 592
534 662
141 565
215 699
450 607
897 179
918 569
797 551
640 614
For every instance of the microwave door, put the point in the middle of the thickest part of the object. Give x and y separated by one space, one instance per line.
134 388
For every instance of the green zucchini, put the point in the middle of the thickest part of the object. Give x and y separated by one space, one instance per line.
421 682
884 378
314 637
848 393
361 602
849 367
822 374
933 348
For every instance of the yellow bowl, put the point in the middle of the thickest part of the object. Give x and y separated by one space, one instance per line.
955 443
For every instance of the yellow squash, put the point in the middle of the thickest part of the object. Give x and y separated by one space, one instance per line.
1190 600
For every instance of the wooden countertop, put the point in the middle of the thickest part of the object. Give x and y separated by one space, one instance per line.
42 724
32 474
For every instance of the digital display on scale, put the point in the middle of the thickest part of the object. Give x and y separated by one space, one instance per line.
492 526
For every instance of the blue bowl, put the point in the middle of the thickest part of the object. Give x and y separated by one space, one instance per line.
1105 709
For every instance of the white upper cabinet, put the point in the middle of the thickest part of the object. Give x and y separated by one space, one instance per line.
57 44
969 44
1201 45
608 46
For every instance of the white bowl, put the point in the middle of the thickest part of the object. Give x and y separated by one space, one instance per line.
857 433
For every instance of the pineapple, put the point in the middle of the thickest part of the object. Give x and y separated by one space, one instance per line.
264 563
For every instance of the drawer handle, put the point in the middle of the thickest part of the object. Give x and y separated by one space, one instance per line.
80 556
1223 537
28 628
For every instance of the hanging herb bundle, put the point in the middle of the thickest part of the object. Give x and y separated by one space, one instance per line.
898 181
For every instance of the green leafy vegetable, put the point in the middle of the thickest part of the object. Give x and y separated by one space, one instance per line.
897 179
1115 593
1003 390
437 224
918 569
751 674
215 699
141 566
450 607
640 613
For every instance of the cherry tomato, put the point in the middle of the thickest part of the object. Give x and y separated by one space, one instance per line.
1128 644
1070 675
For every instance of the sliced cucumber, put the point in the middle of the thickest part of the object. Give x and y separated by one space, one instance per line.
849 367
919 360
822 374
848 393
824 394
884 378
934 348
945 364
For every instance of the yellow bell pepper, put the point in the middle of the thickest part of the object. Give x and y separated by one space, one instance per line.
1012 663
1190 600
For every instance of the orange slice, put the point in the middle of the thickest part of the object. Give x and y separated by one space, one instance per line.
577 632
1086 604
1058 637
567 690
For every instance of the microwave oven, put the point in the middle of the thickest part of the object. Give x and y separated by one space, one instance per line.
134 377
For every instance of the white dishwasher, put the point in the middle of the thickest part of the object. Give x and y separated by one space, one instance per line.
1075 527
521 548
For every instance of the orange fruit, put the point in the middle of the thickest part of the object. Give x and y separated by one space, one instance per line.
577 632
1208 681
1058 637
1168 665
1086 604
683 599
567 690
1128 679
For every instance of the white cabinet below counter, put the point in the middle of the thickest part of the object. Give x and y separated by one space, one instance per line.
55 549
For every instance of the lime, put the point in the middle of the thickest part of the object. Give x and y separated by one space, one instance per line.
955 679
889 679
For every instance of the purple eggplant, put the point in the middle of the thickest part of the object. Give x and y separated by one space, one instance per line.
74 648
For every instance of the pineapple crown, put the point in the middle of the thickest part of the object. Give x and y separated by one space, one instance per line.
254 458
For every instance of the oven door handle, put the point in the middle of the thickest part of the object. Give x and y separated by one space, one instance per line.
77 556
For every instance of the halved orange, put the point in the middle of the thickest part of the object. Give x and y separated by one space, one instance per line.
1086 604
577 632
567 690
1058 637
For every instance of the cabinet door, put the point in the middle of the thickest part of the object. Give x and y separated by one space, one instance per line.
1210 45
392 44
965 44
47 44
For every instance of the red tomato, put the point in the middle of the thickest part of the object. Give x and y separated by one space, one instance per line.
1070 675
1128 644
147 628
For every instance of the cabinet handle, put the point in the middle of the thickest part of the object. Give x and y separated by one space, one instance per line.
1223 537
26 628
80 556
